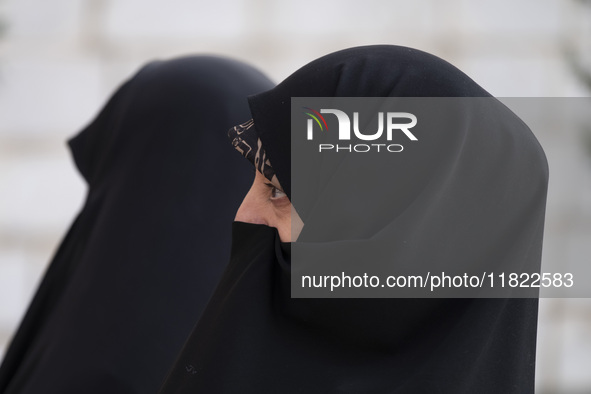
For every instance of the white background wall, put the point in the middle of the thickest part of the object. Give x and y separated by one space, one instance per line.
61 59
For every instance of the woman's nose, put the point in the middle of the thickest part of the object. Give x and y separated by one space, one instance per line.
250 211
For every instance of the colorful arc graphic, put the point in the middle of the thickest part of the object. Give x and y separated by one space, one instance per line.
315 117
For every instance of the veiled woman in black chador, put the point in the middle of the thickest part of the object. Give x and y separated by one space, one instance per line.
475 192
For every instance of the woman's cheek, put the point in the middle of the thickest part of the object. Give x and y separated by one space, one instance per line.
282 206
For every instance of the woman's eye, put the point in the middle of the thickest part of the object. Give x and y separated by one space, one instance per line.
277 194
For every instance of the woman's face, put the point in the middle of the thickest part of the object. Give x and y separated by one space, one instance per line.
265 204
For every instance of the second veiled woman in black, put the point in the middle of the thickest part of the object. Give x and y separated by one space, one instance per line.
141 260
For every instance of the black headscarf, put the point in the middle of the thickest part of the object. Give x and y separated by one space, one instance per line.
140 262
254 338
